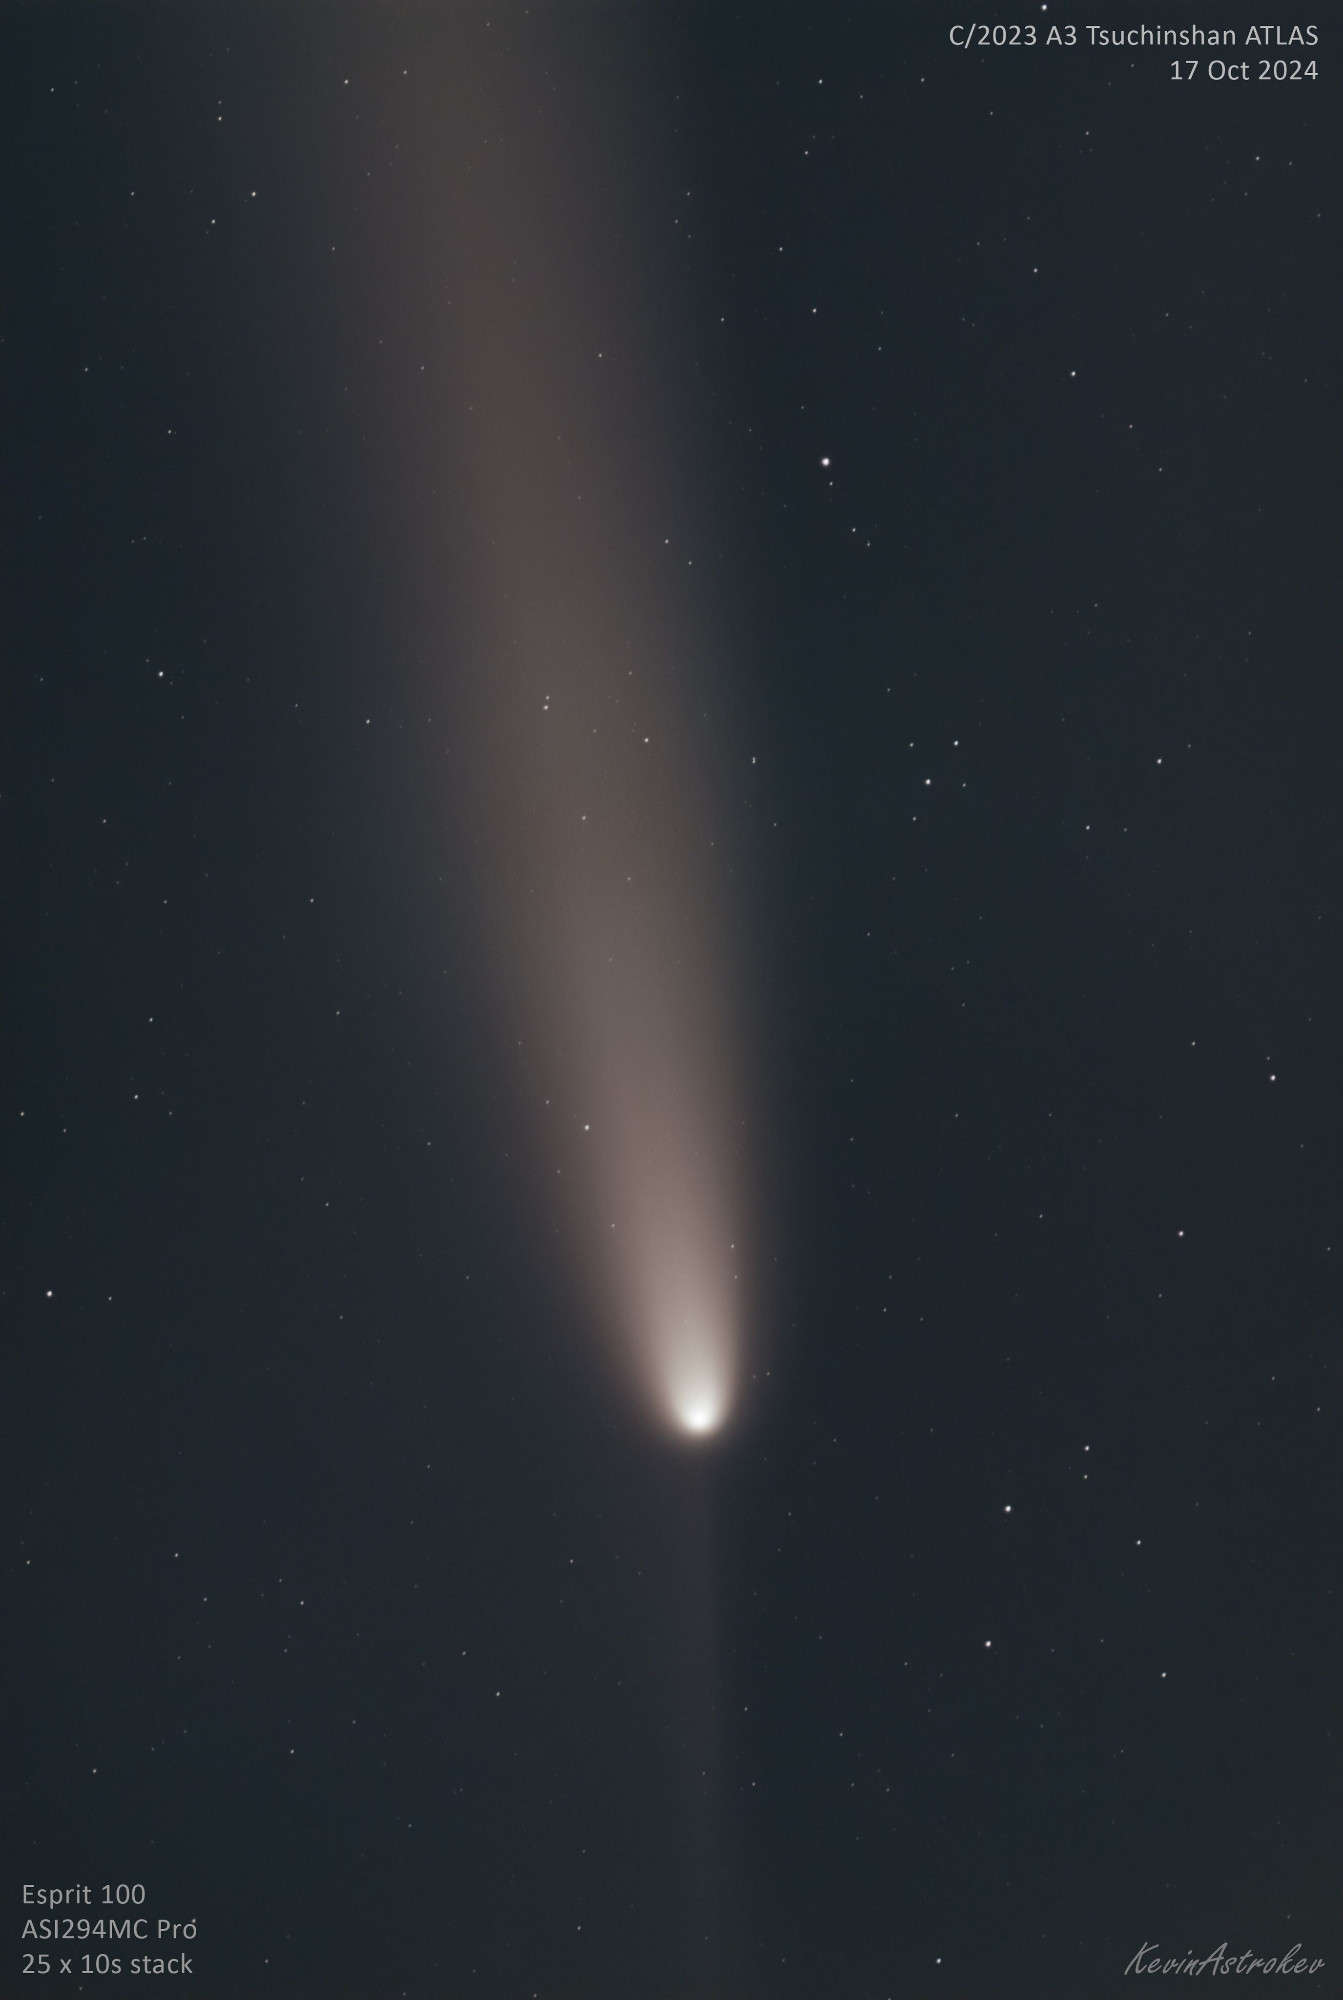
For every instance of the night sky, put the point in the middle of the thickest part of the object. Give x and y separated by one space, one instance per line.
354 1605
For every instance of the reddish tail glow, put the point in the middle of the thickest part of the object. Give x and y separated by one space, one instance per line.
586 679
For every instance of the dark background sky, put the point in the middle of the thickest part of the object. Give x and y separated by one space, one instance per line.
343 1609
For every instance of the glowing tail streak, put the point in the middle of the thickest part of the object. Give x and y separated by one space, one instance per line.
594 792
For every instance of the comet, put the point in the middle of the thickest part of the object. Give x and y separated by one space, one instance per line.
587 676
